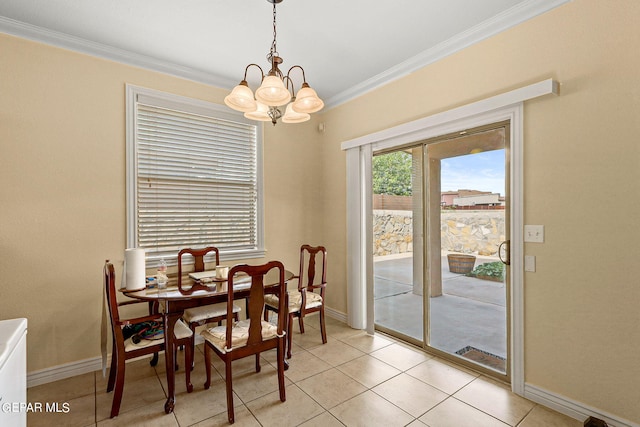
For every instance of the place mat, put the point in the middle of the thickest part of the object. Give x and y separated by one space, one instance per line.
199 275
483 358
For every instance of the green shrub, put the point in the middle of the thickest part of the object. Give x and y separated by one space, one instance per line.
491 269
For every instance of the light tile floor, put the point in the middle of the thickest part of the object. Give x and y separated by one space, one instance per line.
353 380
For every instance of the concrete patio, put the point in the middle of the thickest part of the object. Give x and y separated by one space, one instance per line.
471 311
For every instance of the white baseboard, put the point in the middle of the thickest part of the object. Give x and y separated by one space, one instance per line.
335 314
571 408
72 369
67 370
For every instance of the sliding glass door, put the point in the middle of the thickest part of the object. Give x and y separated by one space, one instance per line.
398 244
467 247
441 243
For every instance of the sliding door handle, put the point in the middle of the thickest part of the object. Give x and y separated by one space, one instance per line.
507 259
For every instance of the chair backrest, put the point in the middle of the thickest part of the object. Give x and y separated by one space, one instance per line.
198 259
309 277
256 274
111 294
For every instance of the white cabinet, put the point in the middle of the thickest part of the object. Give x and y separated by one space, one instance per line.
13 372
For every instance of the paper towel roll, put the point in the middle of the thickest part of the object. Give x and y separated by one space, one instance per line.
134 269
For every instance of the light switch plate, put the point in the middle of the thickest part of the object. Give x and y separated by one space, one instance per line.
534 233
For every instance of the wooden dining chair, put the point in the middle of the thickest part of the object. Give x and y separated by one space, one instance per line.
125 348
252 336
212 313
309 297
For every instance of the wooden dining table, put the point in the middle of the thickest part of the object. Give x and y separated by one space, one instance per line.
175 302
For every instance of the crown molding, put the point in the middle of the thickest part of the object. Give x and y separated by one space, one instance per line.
87 47
501 22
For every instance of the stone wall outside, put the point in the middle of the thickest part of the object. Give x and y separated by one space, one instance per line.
392 232
469 232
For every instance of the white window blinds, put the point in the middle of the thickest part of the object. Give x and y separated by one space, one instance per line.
197 178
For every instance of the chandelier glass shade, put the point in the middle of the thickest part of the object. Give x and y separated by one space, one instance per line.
276 91
307 100
292 116
261 113
241 98
272 92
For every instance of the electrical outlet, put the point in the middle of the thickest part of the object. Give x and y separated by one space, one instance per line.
530 263
534 233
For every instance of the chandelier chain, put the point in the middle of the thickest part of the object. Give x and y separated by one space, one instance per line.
274 49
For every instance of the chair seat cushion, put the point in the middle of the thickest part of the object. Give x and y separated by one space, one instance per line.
180 331
205 312
240 334
295 300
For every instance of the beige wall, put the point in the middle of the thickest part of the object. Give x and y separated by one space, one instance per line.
63 188
581 175
62 142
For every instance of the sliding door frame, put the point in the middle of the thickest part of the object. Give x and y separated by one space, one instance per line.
507 106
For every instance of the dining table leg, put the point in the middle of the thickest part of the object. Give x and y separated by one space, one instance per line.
170 320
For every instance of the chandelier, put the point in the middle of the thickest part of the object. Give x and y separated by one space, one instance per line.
276 92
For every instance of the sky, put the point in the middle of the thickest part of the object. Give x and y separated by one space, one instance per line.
482 171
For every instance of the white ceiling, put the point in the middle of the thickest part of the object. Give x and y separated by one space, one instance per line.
346 47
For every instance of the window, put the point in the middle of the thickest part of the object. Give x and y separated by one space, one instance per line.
194 174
